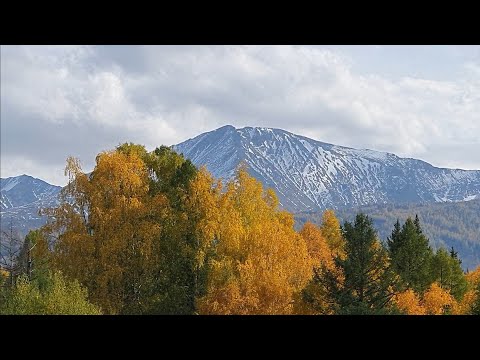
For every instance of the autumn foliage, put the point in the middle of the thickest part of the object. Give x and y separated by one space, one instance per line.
148 233
258 262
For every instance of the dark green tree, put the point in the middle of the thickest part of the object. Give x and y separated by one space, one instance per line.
417 225
175 282
394 242
411 255
367 286
447 270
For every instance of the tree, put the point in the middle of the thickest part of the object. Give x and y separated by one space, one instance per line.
10 246
332 232
471 299
185 244
258 261
409 303
57 297
176 278
34 256
314 298
437 301
394 242
411 255
367 284
466 304
121 229
317 246
475 307
417 225
119 233
449 274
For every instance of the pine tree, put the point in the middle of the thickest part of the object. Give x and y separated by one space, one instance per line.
417 225
411 255
449 274
394 242
367 284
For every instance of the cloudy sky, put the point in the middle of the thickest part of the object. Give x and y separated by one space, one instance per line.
414 101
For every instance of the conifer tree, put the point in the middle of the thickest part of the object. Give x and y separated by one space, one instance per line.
411 255
449 274
367 284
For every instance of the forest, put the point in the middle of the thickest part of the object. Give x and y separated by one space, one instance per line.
454 224
149 233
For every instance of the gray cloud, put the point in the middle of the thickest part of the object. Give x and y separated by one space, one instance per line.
79 100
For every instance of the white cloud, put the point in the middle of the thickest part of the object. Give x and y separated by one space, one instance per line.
84 99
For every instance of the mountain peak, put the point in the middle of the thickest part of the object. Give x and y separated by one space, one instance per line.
226 127
24 189
311 175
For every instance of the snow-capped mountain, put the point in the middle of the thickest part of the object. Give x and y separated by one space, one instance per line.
307 175
20 199
311 175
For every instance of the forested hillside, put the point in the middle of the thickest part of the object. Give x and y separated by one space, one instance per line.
445 224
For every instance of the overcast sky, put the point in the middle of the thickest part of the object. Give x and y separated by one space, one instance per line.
415 101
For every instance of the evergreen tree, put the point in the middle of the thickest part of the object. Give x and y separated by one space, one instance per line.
411 255
417 225
448 272
367 283
394 242
454 255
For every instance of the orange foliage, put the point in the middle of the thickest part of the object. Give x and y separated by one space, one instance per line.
106 236
259 261
464 306
317 246
409 303
473 277
437 301
331 232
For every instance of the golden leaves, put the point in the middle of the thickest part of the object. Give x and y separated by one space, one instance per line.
409 303
437 301
259 262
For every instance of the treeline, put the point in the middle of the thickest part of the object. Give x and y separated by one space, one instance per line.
148 233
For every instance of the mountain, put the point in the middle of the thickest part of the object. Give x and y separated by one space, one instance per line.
310 175
20 199
445 224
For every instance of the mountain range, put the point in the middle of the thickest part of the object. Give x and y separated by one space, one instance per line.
308 176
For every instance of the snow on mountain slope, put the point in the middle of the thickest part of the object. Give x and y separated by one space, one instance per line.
20 199
308 175
312 175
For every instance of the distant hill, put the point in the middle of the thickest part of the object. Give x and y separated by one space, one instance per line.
445 224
